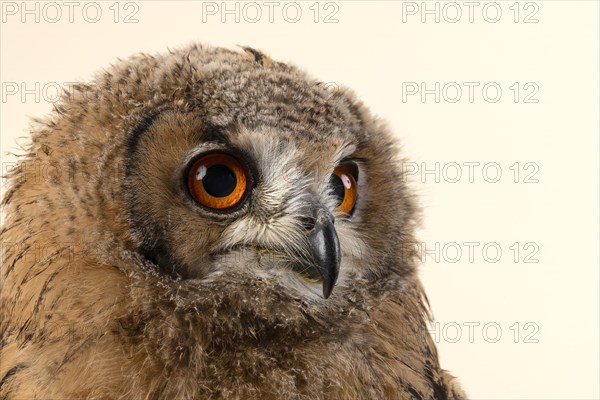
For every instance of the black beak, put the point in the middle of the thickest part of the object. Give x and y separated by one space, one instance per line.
325 248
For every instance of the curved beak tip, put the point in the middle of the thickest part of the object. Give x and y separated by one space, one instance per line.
327 288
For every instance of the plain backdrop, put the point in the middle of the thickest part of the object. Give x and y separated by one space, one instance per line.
497 107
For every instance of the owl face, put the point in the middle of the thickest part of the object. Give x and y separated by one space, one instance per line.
248 201
259 172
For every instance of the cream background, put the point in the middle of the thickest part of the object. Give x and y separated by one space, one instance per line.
371 50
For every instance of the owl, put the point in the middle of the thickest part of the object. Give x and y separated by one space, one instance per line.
212 224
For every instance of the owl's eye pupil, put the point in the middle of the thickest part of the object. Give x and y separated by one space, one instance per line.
219 181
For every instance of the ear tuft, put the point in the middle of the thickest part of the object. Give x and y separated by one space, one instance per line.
258 56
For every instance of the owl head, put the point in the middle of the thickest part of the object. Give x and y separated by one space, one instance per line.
249 169
233 169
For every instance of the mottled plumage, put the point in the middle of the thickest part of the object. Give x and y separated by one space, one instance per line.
117 284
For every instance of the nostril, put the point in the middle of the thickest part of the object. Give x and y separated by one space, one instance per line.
321 217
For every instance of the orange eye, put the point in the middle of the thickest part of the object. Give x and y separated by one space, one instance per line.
343 186
217 181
